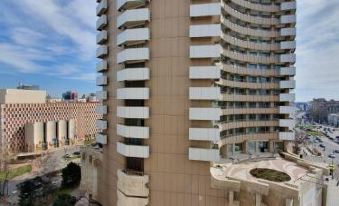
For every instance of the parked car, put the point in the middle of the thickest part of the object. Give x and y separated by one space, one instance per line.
332 156
322 146
336 151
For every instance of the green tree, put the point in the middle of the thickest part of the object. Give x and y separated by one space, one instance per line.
71 175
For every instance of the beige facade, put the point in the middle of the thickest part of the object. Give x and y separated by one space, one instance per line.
20 96
187 83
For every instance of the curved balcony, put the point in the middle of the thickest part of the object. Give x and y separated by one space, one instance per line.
204 10
204 93
257 7
135 74
287 45
101 22
248 85
249 123
133 112
101 80
205 72
201 154
102 52
288 32
287 58
250 98
133 18
249 31
133 36
101 95
133 55
287 71
249 18
235 139
133 131
133 183
250 45
130 4
101 109
204 113
138 151
102 66
250 72
288 19
257 59
101 139
231 111
288 84
101 8
101 124
204 134
290 5
205 30
133 93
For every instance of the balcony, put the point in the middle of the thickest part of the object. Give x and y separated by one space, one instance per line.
205 114
249 98
289 97
101 80
133 131
101 139
101 109
133 36
288 32
101 124
102 7
289 58
205 72
288 84
133 112
101 95
205 51
135 74
204 93
133 183
101 22
288 45
291 5
133 93
287 71
203 10
208 155
130 4
253 58
256 7
101 66
133 18
290 123
204 134
102 37
287 110
133 55
206 30
124 200
102 51
249 44
138 151
288 19
288 136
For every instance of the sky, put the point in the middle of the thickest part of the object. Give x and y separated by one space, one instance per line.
52 43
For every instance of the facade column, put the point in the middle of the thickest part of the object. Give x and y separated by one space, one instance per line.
230 197
258 199
271 146
223 151
245 147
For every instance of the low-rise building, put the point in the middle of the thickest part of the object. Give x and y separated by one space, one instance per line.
333 119
29 123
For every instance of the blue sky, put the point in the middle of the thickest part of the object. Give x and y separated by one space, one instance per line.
52 43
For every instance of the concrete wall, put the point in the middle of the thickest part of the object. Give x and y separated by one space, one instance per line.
13 96
71 129
34 135
62 130
50 133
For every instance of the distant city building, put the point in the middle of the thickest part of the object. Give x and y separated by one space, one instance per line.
70 96
302 106
321 108
333 119
29 123
28 87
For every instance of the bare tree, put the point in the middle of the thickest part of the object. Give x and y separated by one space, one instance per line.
299 141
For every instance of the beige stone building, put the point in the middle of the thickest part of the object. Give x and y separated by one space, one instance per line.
29 123
186 84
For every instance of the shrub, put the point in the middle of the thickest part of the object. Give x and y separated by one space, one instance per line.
64 200
71 175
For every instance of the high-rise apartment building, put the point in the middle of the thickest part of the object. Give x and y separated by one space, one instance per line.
187 83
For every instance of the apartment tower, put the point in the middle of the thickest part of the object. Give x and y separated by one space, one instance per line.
187 83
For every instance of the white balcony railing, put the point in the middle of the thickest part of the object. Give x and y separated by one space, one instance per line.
138 151
287 71
135 74
102 109
101 139
133 35
291 5
206 30
101 22
204 93
289 97
287 45
101 124
204 134
102 7
101 95
130 4
133 112
133 184
101 66
287 19
133 131
205 113
287 110
205 51
290 58
288 32
134 17
203 10
288 84
290 123
101 80
205 72
288 136
133 55
102 51
102 37
201 154
133 93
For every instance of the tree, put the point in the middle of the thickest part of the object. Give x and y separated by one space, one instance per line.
300 136
64 200
71 175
